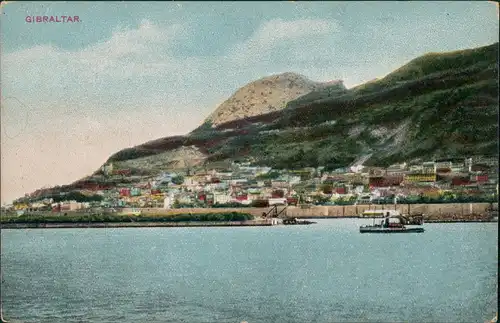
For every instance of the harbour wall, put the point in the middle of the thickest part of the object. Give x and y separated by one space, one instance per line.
429 210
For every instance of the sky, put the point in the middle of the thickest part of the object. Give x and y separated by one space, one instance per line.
72 94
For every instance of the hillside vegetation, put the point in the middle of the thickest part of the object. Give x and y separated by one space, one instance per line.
437 105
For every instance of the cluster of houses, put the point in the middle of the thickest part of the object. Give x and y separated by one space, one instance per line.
244 184
48 204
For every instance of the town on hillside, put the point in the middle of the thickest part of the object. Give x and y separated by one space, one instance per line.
241 184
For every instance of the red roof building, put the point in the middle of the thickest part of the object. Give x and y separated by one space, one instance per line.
481 178
340 190
460 181
385 181
125 192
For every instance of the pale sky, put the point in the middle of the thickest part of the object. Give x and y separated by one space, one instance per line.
73 94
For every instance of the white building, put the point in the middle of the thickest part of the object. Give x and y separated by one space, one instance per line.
357 168
168 201
375 194
364 199
237 181
468 164
37 205
225 175
222 198
429 168
416 168
279 184
190 181
396 169
277 201
107 169
70 205
359 189
184 198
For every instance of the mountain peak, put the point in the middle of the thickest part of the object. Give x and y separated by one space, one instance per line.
268 94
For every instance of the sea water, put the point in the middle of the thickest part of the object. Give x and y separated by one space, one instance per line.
325 272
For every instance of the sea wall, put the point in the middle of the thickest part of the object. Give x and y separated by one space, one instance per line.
158 211
430 210
436 211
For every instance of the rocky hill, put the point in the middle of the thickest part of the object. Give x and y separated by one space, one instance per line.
437 105
265 95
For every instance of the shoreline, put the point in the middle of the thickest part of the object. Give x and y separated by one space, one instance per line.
193 224
460 221
425 220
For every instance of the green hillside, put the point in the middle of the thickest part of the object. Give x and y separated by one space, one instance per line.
437 105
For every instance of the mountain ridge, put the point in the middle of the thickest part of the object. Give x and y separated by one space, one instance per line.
436 105
384 90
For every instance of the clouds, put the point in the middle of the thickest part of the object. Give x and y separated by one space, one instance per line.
287 43
83 105
138 66
131 52
278 30
88 101
132 87
128 53
122 72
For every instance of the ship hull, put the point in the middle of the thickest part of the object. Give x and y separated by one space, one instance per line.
390 230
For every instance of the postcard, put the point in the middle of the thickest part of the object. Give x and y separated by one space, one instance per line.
228 161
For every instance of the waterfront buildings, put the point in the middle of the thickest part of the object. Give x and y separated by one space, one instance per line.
245 184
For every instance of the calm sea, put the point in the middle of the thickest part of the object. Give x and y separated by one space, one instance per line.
327 272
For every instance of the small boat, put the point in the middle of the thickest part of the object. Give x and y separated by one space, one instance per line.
388 226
